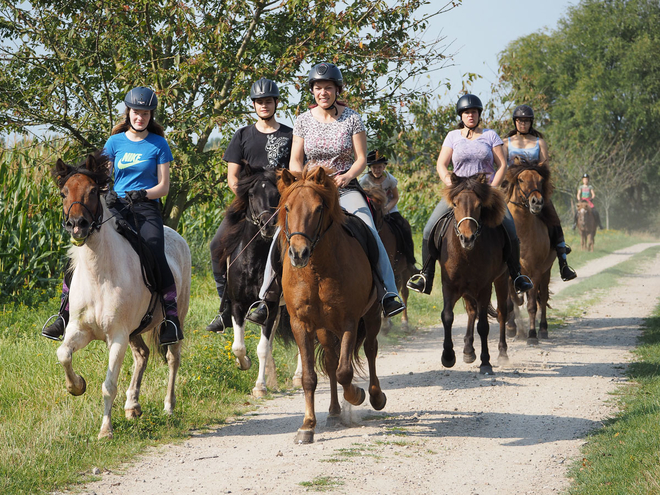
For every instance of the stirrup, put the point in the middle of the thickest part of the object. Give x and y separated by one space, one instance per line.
222 322
249 311
176 333
524 277
393 295
413 278
58 339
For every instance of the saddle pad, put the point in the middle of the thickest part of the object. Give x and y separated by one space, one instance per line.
359 230
150 268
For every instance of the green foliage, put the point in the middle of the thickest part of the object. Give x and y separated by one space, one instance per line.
32 246
69 65
594 84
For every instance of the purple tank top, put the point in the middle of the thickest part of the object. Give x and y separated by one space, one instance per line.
471 157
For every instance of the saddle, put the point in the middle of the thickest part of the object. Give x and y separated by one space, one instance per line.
401 233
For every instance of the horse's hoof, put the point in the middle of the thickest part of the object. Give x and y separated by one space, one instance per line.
469 357
304 437
532 341
360 399
244 365
511 332
448 362
105 435
259 392
502 360
378 403
543 334
134 412
332 421
486 369
77 390
297 382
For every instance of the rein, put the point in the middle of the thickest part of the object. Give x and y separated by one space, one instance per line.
253 237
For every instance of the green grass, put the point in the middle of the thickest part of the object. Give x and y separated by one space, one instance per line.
624 456
322 484
49 438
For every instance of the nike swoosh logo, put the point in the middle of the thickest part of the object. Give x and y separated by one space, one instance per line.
128 163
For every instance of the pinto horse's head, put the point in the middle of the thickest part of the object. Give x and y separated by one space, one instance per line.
310 204
528 184
475 204
81 188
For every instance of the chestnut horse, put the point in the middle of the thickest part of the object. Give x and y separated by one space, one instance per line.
403 269
586 225
329 292
108 297
528 193
471 256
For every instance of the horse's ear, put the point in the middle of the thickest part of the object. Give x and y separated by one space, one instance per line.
455 179
286 178
516 160
60 170
319 176
482 178
247 170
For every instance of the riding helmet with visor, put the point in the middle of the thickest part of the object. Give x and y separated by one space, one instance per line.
264 88
325 71
523 112
466 102
141 98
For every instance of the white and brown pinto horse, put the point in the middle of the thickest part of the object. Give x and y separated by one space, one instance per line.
108 297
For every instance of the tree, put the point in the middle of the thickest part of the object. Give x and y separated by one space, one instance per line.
67 65
594 84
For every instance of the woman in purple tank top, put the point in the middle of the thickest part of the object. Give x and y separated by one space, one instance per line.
528 143
472 150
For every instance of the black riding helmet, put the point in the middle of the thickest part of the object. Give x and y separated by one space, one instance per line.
326 71
585 176
141 98
264 88
523 111
468 101
375 157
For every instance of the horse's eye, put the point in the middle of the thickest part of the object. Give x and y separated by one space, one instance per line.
286 208
95 190
62 195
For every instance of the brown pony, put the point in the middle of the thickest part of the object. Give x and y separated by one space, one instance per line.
528 191
472 259
329 292
586 225
403 269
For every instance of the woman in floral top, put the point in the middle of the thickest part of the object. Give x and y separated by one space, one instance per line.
332 135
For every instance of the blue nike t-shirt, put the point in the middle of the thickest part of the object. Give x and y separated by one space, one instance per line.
136 162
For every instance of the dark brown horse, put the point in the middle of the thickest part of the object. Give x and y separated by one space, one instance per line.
528 191
586 225
329 292
403 268
471 255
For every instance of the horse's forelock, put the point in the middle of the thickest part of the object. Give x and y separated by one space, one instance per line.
519 166
96 166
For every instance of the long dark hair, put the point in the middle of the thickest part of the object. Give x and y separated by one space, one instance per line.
153 126
532 131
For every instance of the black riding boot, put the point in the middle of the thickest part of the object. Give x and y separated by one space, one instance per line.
566 272
521 283
170 330
259 314
422 282
222 321
55 330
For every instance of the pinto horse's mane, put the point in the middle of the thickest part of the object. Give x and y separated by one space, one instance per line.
96 166
319 180
492 200
237 211
520 165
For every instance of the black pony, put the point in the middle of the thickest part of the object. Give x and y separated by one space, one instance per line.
245 246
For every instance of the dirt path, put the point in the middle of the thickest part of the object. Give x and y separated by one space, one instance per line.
442 431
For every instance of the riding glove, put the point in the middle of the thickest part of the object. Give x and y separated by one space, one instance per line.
111 199
136 196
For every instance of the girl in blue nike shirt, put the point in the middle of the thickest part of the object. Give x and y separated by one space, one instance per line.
141 159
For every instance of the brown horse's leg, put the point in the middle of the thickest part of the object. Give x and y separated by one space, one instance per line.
404 291
469 356
448 355
483 329
140 352
511 327
503 301
371 321
352 393
543 303
532 296
305 341
330 363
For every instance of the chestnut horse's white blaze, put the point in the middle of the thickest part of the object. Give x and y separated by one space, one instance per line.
108 299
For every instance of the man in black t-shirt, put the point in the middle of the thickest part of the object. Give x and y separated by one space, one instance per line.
264 145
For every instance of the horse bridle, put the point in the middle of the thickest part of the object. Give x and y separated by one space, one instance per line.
525 202
458 224
97 218
317 234
255 219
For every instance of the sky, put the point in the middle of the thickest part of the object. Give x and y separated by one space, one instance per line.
479 30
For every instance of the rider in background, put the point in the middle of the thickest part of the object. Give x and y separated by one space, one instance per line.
263 145
332 135
472 150
586 193
141 159
380 178
526 142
